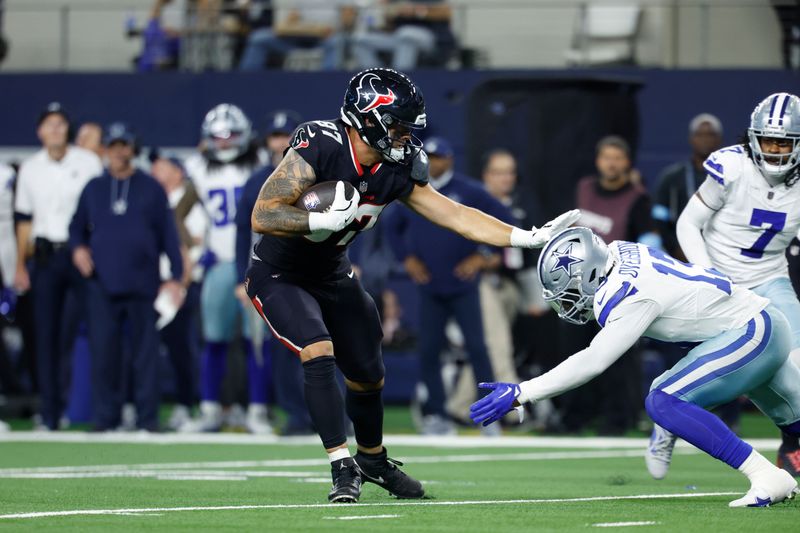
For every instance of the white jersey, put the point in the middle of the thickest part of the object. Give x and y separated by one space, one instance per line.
650 294
8 246
49 190
754 222
693 303
219 189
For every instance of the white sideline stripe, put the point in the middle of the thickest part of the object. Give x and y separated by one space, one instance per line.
625 524
425 503
44 473
144 470
362 517
457 441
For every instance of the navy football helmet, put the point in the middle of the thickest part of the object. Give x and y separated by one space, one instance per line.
378 99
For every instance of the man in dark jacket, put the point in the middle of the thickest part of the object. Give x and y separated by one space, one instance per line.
121 226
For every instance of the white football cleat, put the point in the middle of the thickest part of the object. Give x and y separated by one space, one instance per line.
257 422
769 489
180 415
659 452
209 420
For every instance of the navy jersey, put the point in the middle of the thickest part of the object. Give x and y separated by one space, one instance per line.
326 146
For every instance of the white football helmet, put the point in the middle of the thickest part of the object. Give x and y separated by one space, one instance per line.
571 268
777 116
227 133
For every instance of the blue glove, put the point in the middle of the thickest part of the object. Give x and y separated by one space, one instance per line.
207 260
8 303
494 405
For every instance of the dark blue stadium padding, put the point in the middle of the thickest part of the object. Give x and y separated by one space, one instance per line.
167 108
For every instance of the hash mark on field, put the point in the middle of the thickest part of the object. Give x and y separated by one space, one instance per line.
625 524
361 517
86 512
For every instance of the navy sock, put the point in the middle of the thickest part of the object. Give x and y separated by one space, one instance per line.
212 370
257 375
790 436
324 400
698 427
365 409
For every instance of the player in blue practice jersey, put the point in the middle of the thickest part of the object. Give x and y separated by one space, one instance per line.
302 282
632 291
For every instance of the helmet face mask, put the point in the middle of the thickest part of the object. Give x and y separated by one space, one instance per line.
227 133
385 107
776 120
571 268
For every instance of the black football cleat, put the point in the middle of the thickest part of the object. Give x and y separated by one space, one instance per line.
383 471
346 482
789 460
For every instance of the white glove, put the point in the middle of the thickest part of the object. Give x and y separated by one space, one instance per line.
536 238
339 215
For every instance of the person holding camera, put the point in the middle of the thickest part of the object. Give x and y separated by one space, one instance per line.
48 186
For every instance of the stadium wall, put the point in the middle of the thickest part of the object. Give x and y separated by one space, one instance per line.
167 109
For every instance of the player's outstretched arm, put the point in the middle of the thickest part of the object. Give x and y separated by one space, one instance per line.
624 326
476 225
274 212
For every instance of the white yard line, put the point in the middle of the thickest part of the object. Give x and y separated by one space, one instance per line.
419 503
201 468
625 524
361 517
458 441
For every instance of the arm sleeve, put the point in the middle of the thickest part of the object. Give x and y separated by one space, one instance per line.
624 327
689 230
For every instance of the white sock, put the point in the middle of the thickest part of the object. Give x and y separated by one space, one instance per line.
336 455
755 466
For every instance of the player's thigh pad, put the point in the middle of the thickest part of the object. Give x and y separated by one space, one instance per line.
731 364
355 327
292 313
781 293
219 307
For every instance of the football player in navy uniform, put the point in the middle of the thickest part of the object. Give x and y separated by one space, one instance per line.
302 282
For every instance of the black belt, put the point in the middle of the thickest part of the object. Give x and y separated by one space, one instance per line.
44 248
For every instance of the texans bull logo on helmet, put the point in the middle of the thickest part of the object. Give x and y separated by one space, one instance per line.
369 97
300 140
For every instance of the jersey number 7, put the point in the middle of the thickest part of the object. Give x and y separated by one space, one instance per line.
775 221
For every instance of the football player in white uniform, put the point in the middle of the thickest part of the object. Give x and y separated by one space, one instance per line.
632 291
227 158
741 220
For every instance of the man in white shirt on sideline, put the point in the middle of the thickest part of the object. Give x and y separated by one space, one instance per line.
48 187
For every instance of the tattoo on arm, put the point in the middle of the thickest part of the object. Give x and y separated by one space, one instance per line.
274 212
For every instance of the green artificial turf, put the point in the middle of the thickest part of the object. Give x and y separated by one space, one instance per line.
451 477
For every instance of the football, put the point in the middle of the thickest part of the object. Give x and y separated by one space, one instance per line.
318 198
